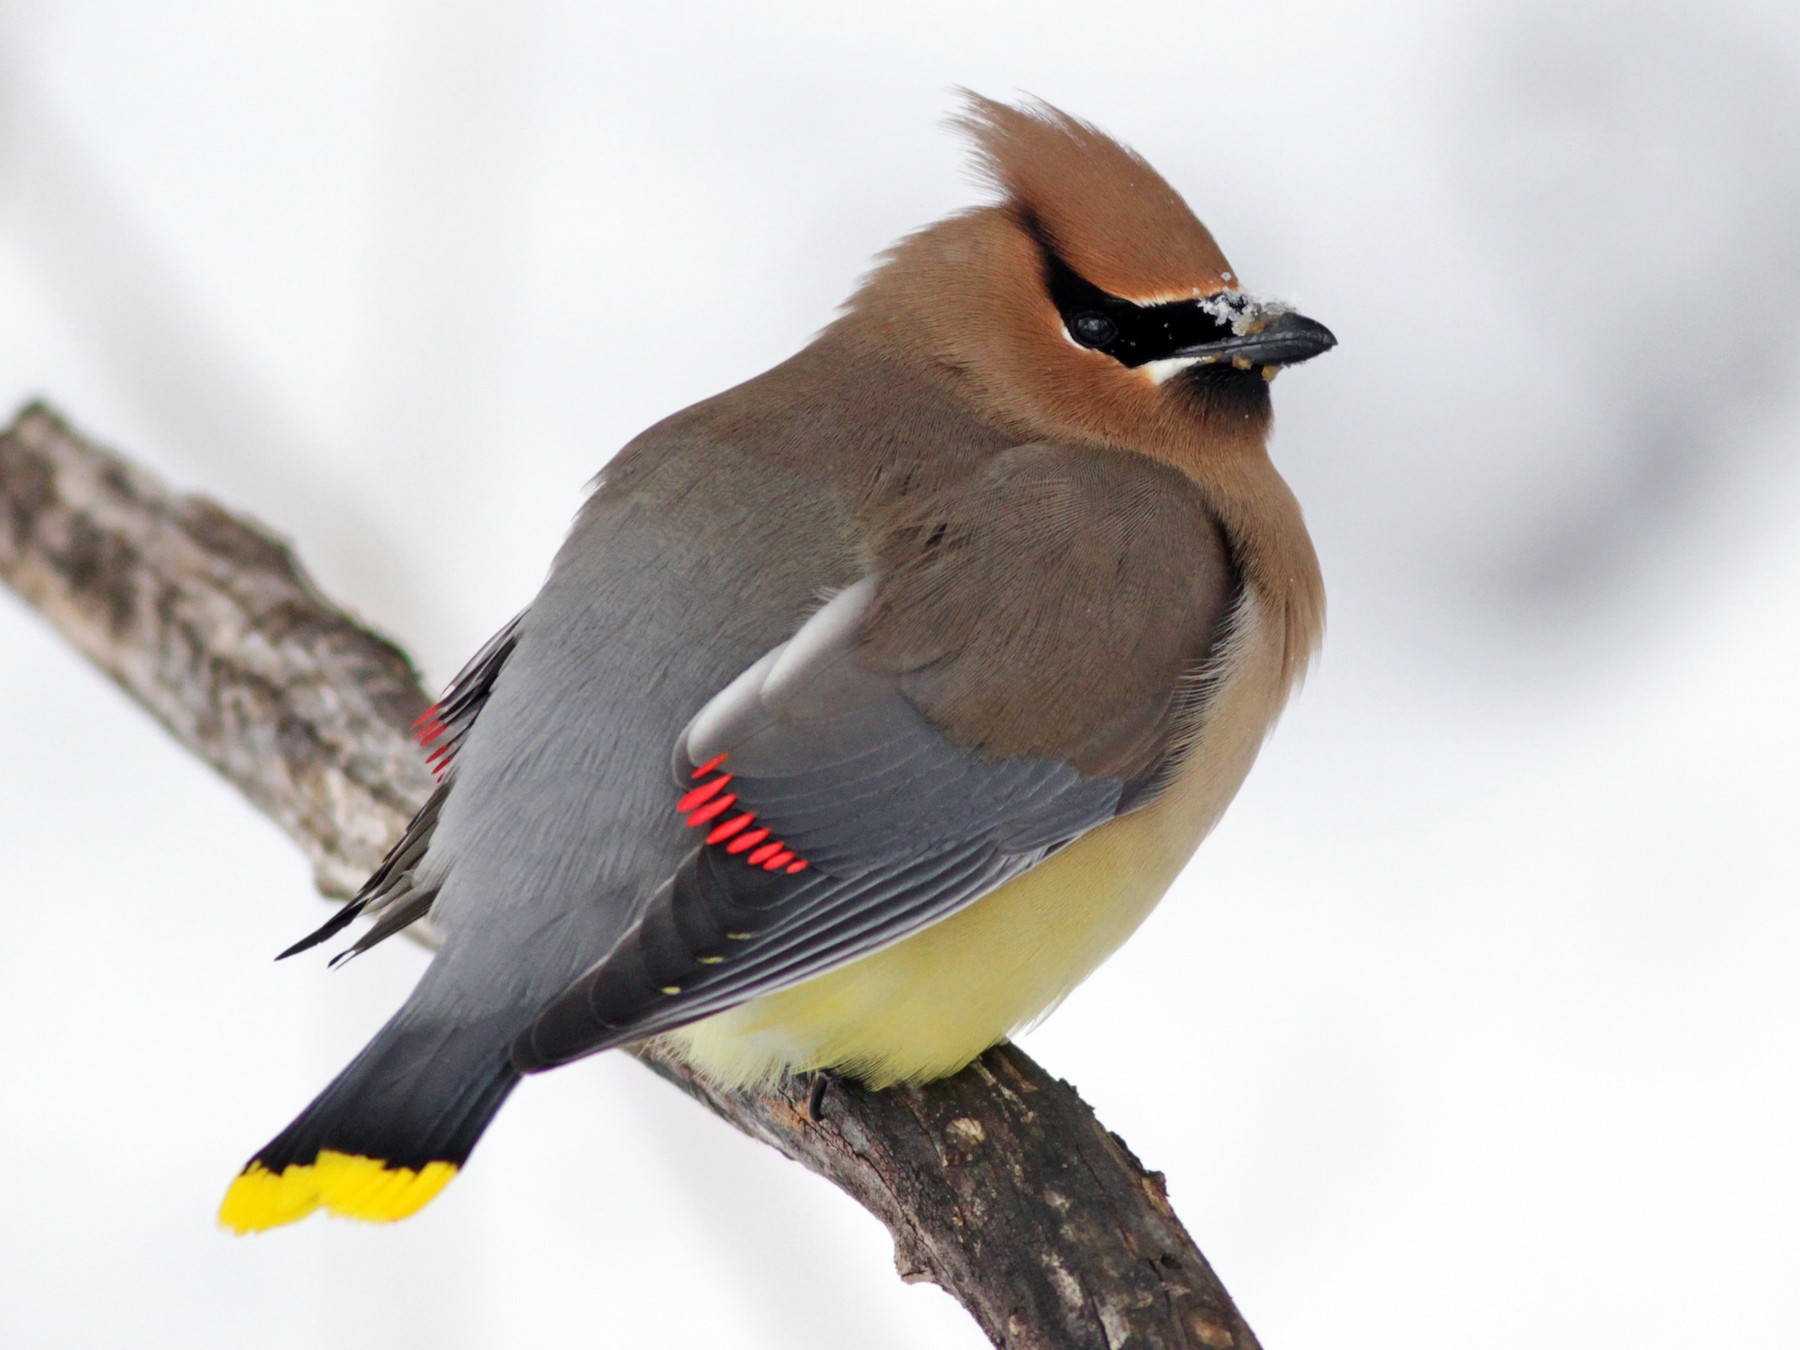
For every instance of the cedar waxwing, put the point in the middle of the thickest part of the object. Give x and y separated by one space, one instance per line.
961 628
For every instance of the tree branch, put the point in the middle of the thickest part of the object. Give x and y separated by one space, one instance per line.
998 1184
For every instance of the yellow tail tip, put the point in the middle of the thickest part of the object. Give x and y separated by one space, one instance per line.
345 1184
260 1199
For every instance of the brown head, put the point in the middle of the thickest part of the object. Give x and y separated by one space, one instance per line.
1088 304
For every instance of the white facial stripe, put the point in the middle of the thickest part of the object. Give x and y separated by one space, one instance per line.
1167 368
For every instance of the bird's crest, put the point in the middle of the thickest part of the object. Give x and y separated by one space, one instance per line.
1099 205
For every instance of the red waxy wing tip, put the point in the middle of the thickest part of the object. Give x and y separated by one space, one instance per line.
699 795
749 839
718 806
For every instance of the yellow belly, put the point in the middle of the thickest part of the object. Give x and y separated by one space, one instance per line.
926 1006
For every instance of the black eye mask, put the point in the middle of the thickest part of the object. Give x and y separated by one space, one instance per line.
1134 335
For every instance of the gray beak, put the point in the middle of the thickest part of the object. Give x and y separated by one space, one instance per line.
1283 338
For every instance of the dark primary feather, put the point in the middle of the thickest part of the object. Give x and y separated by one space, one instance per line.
447 722
392 891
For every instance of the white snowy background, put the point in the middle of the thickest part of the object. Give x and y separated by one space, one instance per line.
1477 1022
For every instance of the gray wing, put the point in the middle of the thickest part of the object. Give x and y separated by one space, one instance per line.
837 818
1025 661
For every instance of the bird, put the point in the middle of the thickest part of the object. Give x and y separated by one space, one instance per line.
869 705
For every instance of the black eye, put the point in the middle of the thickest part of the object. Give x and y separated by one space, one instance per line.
1093 330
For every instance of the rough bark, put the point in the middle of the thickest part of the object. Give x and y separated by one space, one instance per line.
998 1184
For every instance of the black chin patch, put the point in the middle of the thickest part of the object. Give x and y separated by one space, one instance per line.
1226 391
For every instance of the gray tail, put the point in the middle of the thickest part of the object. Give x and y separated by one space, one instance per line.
388 1132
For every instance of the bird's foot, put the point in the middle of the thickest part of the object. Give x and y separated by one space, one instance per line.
819 1082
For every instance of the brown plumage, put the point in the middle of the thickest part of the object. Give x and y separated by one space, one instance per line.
1141 570
961 628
